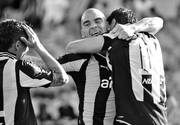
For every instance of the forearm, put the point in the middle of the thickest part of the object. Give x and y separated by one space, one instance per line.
88 45
150 24
60 76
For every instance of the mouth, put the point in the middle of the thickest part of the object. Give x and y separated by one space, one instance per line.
96 33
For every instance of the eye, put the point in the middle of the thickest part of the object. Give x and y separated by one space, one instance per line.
86 23
98 20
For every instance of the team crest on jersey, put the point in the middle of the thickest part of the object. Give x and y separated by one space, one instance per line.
147 79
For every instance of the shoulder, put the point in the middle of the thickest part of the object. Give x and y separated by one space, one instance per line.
73 57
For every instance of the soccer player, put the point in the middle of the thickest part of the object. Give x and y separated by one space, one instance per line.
138 75
17 76
92 75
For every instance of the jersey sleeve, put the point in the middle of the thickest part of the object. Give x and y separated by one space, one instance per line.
31 75
73 62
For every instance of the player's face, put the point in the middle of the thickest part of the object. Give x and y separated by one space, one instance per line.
93 24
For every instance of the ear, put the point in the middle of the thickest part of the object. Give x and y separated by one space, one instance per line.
108 28
17 45
113 23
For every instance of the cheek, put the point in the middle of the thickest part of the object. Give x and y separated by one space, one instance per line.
85 32
103 27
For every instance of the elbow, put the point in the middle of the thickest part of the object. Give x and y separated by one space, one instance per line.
60 79
157 24
69 49
64 79
160 22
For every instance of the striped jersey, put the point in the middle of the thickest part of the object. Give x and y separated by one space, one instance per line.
139 81
16 78
94 87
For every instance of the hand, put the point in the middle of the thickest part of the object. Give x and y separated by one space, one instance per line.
125 32
114 32
33 40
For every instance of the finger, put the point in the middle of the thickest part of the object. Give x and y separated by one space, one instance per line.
128 38
115 29
28 32
123 36
115 34
28 29
24 40
31 30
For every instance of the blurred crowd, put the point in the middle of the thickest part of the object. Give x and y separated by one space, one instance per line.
58 21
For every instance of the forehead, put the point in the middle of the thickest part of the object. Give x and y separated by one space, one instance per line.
91 15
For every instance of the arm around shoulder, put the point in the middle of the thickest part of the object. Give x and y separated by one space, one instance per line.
149 24
87 45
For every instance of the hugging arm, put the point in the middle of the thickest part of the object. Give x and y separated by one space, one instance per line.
96 44
149 24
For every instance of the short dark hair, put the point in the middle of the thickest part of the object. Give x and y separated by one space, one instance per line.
10 31
122 16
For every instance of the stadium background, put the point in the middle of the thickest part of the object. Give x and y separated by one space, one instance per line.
57 22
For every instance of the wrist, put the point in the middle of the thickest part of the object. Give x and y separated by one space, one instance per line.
134 28
38 48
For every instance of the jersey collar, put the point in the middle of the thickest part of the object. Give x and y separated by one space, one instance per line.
8 54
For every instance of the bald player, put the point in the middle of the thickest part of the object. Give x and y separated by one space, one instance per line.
92 75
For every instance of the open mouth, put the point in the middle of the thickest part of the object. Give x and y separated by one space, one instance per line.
96 33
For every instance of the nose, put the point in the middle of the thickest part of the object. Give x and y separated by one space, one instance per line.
93 25
94 31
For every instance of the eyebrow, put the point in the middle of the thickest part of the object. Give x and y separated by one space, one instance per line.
98 19
87 21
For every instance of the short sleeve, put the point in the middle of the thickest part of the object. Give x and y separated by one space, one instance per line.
31 75
73 62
